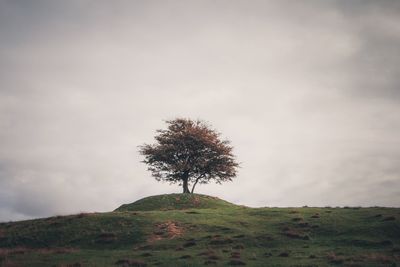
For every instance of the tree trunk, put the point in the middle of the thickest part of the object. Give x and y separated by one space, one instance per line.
185 186
185 183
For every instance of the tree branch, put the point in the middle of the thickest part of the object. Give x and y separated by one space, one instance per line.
197 179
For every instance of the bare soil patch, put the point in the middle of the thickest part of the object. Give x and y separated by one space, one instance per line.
166 230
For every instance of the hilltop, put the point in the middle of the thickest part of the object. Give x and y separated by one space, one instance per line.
198 230
176 202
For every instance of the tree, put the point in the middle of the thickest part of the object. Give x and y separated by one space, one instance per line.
189 152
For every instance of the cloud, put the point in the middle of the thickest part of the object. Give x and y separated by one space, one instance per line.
307 92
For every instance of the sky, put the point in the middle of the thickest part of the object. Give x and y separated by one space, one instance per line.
308 92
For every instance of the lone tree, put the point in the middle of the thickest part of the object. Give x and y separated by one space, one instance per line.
189 152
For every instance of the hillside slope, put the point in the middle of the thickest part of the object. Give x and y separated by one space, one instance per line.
214 233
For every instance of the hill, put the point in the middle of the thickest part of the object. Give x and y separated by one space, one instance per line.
198 230
176 202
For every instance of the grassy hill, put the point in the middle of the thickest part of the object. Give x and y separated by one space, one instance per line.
176 202
198 230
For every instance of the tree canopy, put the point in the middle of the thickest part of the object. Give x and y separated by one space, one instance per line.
190 152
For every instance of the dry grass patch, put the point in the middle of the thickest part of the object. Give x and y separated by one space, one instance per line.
294 233
206 253
334 258
235 255
210 255
168 229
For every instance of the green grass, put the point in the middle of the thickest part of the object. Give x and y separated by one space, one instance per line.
176 202
183 230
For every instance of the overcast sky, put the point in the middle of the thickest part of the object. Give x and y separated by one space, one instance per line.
307 91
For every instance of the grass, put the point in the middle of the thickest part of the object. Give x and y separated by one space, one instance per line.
183 230
176 202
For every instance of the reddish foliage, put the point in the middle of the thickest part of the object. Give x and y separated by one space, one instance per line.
190 152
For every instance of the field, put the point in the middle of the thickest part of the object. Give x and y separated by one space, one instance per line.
198 230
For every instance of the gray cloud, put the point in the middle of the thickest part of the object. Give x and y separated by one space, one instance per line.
307 92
